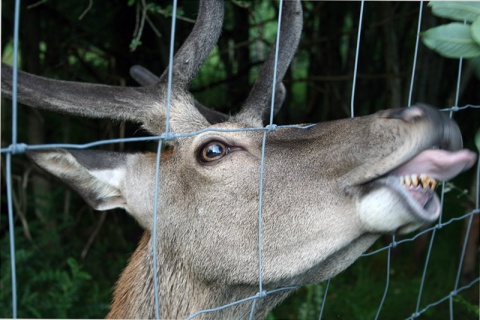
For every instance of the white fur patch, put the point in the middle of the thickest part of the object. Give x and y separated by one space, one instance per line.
383 211
113 177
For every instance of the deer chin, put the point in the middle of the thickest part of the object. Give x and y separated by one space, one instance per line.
404 199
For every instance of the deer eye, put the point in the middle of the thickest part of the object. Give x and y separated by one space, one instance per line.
213 151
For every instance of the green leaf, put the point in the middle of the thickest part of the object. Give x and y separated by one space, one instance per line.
456 10
453 40
475 30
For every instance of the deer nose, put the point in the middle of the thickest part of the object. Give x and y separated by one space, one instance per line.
450 137
447 131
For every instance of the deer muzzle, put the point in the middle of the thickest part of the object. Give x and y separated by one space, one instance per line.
404 198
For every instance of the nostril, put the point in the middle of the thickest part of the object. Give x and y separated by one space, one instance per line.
410 114
452 138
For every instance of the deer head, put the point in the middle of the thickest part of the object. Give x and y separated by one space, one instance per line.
329 190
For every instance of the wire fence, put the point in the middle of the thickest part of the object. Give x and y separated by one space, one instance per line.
421 307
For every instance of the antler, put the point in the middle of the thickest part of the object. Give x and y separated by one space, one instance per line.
146 105
257 106
146 78
143 76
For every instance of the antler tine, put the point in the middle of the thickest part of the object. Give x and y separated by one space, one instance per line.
256 107
143 76
77 98
140 104
199 43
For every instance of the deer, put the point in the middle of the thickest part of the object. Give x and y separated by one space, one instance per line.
330 189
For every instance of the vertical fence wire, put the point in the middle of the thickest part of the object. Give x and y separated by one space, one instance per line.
415 54
324 299
387 282
355 68
352 112
17 148
460 264
260 229
427 259
11 220
11 235
432 239
410 94
158 161
262 160
262 164
154 228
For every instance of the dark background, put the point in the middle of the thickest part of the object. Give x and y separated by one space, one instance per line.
68 256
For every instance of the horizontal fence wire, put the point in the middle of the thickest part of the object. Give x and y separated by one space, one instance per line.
18 148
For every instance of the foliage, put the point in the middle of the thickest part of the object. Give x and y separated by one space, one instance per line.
47 287
470 307
455 40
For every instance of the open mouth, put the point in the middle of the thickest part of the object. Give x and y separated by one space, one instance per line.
420 194
417 193
398 190
415 181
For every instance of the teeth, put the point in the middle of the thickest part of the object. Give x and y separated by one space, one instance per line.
425 181
408 181
414 181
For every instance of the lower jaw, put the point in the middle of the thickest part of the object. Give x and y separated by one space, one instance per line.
423 204
386 206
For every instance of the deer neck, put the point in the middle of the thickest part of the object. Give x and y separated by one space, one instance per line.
180 293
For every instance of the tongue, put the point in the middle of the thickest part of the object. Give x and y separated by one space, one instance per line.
438 164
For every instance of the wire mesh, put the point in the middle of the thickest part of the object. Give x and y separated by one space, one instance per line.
420 309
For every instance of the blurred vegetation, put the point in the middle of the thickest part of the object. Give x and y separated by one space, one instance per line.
69 257
458 39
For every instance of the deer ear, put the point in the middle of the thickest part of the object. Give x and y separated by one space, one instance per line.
98 176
